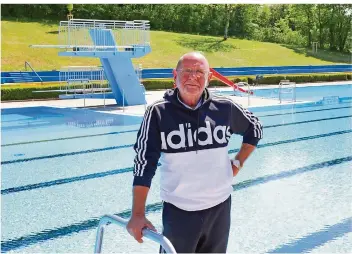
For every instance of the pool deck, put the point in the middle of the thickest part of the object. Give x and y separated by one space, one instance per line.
151 96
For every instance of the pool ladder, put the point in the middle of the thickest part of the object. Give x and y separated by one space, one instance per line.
287 87
107 219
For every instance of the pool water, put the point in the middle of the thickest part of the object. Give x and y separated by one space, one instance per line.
305 93
62 169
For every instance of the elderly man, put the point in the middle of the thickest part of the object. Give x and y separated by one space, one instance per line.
189 130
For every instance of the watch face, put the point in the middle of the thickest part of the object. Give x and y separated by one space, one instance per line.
236 163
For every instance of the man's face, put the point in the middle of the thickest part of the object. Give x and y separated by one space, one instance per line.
192 76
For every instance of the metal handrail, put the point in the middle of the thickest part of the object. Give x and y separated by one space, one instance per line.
292 89
145 24
156 237
145 98
249 93
25 66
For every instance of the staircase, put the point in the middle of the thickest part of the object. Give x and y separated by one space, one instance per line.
21 77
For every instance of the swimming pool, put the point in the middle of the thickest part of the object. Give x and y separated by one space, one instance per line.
303 93
62 169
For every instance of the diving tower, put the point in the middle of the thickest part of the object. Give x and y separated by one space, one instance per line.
115 43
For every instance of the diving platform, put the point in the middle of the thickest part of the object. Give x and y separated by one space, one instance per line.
115 43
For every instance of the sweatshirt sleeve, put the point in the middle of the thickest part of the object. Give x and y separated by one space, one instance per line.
244 123
148 149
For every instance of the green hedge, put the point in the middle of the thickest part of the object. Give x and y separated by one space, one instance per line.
269 80
166 84
158 84
26 93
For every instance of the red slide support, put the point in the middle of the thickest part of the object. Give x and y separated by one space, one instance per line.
227 81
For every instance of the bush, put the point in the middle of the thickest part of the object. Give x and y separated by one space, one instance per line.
158 84
167 84
27 93
274 80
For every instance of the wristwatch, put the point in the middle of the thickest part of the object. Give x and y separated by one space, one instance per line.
236 163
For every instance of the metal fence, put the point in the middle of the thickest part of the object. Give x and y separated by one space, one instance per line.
109 35
83 79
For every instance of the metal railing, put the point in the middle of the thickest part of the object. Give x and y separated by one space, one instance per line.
287 87
112 35
82 72
29 65
249 93
145 97
107 219
73 76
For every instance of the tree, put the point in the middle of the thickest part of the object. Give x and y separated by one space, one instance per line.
304 19
229 8
322 19
343 24
70 8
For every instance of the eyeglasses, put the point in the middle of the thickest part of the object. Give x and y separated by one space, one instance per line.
187 72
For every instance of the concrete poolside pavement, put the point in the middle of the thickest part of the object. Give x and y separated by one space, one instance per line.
151 96
111 107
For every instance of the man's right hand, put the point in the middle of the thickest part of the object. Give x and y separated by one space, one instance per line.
136 224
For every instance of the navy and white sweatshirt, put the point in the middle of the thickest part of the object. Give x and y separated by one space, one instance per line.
195 169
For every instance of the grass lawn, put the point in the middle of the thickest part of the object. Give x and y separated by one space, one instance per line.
167 48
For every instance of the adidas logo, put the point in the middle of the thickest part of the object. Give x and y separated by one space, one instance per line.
221 134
